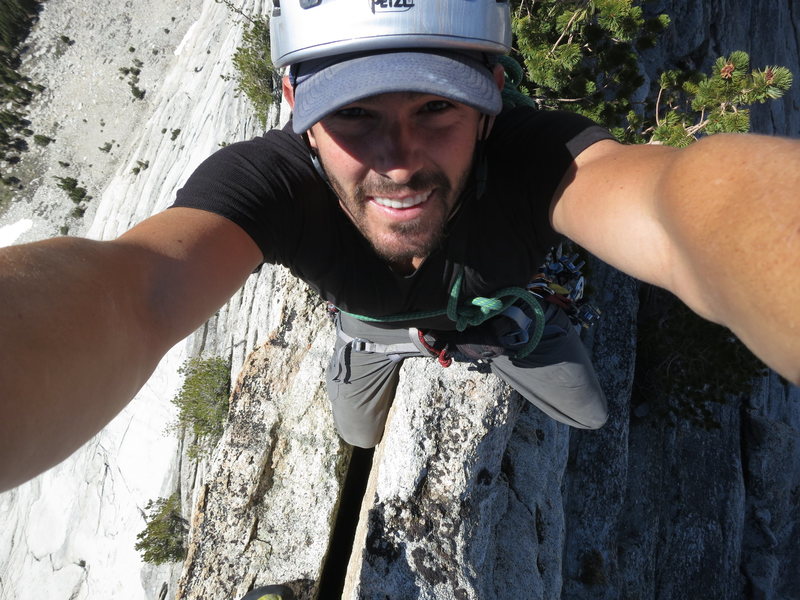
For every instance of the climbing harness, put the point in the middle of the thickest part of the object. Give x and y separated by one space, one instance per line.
510 323
479 310
417 345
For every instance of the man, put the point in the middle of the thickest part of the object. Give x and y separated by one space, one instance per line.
409 186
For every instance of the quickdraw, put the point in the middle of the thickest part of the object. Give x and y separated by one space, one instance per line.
561 282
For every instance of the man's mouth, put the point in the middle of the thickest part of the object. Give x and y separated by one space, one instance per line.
407 202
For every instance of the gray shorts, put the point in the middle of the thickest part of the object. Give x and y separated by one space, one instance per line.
557 377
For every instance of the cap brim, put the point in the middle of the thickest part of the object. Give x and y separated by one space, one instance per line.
450 75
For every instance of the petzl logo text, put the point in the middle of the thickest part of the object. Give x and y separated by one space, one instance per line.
391 5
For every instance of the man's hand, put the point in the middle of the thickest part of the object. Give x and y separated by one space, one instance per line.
717 223
84 324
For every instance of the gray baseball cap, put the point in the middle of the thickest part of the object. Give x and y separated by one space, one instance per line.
327 84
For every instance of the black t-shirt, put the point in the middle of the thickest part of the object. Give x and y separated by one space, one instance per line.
269 187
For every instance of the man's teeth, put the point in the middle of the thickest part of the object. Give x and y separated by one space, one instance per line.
402 202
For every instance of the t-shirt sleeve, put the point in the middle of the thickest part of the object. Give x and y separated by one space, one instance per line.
260 185
551 135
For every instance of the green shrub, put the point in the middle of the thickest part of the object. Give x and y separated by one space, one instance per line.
16 19
70 185
16 90
203 400
132 73
162 539
42 140
141 165
255 75
136 91
580 55
692 104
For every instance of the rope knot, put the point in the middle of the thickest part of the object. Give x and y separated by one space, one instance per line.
488 305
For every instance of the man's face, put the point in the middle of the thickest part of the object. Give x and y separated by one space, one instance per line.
398 163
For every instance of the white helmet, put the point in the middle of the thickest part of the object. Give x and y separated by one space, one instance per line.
302 30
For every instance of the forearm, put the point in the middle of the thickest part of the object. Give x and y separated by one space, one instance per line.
73 350
730 206
717 223
84 324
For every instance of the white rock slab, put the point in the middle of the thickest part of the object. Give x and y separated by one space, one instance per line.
71 532
10 233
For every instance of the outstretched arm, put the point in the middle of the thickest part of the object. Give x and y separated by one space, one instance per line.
84 324
717 223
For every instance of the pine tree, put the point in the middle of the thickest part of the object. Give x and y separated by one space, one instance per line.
581 55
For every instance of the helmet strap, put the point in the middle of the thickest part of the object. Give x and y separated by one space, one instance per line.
480 155
312 153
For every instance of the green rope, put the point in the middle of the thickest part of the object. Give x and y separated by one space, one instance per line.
395 318
511 95
480 309
475 312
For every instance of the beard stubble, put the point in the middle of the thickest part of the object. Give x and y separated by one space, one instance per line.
418 238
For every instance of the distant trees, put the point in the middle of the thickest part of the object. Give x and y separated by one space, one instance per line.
16 18
16 91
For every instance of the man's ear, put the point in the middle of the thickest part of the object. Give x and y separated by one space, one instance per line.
311 139
288 94
288 91
499 76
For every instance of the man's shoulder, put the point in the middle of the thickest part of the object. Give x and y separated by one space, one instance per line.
276 157
280 141
527 119
541 131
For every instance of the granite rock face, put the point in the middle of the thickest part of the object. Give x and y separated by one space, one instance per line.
453 515
265 506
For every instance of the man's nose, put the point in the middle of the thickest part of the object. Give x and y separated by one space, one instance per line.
398 153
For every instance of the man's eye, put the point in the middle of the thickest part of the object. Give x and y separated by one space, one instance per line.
437 105
351 112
